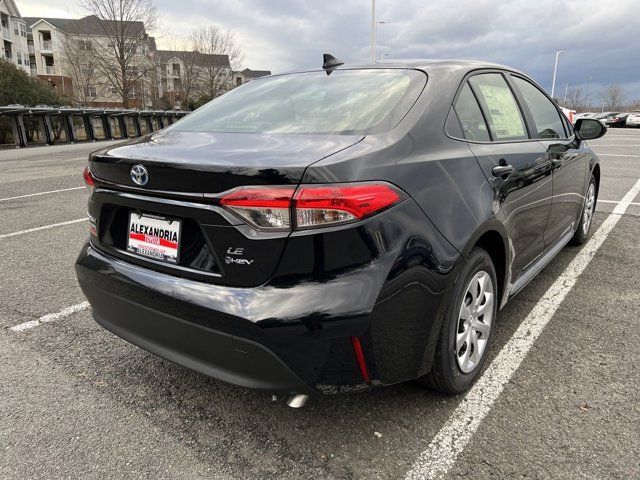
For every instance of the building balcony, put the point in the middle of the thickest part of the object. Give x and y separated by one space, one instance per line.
50 69
33 71
46 45
31 48
6 34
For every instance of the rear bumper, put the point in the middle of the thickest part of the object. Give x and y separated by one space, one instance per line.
294 333
220 355
190 323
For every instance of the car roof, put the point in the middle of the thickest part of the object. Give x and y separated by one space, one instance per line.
426 65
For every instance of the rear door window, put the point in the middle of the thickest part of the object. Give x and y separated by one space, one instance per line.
545 115
471 120
499 106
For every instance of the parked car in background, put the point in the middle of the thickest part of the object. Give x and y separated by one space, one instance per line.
605 116
312 233
584 115
633 119
619 120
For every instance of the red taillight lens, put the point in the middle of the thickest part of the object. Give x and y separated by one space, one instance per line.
312 205
263 207
327 204
89 181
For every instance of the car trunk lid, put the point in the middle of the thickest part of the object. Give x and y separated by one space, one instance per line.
201 162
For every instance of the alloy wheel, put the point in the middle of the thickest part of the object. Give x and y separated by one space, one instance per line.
589 203
474 322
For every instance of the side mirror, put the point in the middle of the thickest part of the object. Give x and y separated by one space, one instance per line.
589 129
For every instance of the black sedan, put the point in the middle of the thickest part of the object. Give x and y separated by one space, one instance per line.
336 230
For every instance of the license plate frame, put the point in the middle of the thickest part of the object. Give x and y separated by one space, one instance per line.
142 242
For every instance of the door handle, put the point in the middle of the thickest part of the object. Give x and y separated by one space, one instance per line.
502 170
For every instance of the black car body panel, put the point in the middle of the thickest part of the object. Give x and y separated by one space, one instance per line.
201 162
287 320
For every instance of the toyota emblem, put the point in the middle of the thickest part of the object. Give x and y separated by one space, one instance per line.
139 175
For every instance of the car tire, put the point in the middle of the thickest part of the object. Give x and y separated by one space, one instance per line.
450 373
586 217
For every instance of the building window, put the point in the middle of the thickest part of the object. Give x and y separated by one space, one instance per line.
19 57
26 61
113 90
85 45
131 94
23 30
90 92
176 69
86 70
16 32
238 81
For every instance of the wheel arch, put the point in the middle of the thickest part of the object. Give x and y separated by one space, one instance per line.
492 237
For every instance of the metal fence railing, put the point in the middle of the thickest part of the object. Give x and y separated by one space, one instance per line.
46 125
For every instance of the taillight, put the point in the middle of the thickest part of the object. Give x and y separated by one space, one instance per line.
262 207
310 205
318 205
89 181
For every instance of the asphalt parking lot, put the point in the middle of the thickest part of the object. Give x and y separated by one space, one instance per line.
77 402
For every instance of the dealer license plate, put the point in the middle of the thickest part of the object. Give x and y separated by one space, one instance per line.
154 237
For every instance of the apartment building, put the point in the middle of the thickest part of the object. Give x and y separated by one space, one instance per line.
182 73
63 52
13 33
247 75
71 55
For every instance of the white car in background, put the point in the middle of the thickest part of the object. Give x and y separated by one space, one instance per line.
633 120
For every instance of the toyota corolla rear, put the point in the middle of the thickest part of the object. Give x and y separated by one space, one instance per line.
212 245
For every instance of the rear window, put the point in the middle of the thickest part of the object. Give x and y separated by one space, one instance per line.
345 102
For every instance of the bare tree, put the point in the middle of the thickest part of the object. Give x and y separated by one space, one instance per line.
576 99
613 96
217 74
120 40
79 65
189 74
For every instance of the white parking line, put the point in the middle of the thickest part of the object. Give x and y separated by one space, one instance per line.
45 227
456 433
615 201
51 317
616 155
40 193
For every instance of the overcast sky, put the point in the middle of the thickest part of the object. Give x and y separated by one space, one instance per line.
601 37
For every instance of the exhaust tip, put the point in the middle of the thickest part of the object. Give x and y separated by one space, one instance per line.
297 400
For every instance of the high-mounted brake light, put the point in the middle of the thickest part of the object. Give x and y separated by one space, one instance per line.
311 205
89 181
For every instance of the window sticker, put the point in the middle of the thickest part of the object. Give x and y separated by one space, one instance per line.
503 111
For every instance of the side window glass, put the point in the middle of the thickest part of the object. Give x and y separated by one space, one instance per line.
545 115
500 107
470 116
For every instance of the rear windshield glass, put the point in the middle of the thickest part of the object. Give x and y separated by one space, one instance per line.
345 102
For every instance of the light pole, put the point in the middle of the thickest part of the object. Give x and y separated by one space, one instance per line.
587 93
373 30
555 71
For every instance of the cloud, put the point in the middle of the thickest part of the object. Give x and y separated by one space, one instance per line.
282 35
